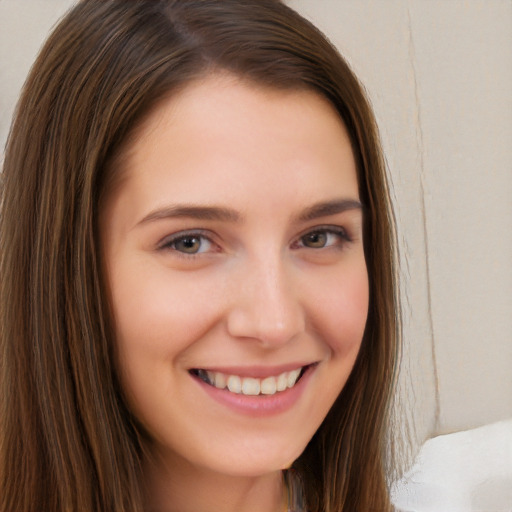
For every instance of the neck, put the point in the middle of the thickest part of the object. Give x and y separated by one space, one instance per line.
182 487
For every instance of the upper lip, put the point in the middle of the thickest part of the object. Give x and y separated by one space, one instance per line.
255 371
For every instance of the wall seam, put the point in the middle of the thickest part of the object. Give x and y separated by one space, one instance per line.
420 149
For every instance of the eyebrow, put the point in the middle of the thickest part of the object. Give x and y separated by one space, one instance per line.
222 214
328 208
194 212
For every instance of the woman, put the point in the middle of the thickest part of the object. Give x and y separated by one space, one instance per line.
198 298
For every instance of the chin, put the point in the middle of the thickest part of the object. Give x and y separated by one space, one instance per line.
247 457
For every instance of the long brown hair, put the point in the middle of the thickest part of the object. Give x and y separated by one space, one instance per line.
67 439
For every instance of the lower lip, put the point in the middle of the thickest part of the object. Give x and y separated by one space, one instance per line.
259 405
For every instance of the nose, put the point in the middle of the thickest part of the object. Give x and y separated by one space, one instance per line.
265 305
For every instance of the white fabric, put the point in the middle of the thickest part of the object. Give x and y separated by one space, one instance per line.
468 471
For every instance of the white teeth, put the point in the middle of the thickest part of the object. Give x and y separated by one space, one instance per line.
282 382
268 386
220 380
249 385
234 384
292 377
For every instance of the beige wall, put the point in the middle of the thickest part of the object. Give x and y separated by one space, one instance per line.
439 74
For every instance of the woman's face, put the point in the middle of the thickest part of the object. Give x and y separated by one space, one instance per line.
234 255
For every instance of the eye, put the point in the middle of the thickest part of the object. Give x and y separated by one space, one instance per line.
188 243
323 238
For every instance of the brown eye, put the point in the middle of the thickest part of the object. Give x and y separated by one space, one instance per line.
315 240
188 244
324 238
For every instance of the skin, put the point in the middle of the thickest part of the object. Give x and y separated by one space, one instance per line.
274 282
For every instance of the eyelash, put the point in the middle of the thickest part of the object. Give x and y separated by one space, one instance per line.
169 243
338 231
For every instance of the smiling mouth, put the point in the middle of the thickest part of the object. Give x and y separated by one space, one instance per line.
249 385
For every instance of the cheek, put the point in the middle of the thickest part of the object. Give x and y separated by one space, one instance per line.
343 311
161 317
158 316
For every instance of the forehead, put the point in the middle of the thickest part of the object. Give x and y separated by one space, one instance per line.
225 137
215 96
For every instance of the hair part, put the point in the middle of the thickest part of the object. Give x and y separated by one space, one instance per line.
67 439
